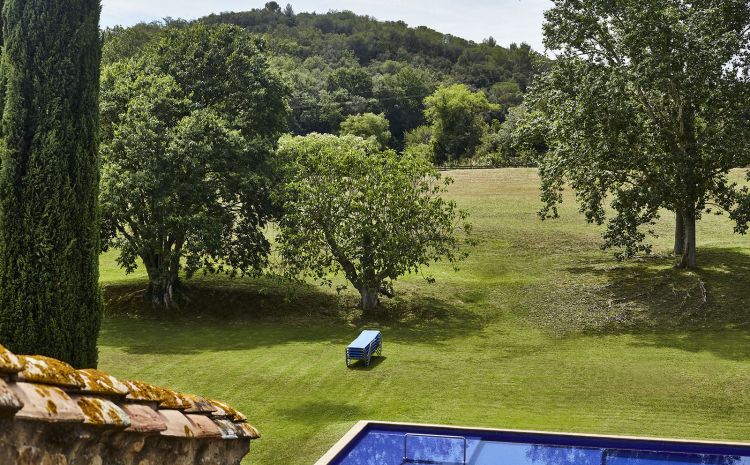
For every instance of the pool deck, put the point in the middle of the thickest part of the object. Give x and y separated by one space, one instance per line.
362 425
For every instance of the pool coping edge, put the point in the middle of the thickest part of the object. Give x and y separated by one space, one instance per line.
345 440
361 425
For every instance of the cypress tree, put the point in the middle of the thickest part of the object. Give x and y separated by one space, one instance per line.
50 302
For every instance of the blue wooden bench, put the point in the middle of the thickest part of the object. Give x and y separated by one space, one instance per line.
369 343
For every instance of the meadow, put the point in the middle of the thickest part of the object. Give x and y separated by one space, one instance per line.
540 329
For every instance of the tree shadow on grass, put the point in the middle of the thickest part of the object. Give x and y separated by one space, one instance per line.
228 300
702 310
255 313
315 412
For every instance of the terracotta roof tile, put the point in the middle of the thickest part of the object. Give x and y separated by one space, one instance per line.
223 410
199 404
204 426
9 362
178 425
94 381
144 392
250 431
46 403
144 419
228 428
48 390
167 398
45 370
231 430
176 401
9 403
101 412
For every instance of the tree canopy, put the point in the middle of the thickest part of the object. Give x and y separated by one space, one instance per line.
368 125
188 127
458 118
645 108
341 64
350 207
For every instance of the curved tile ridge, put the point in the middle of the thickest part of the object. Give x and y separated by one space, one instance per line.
96 382
35 388
45 370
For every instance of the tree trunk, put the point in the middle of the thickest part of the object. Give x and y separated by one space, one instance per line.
369 300
679 234
688 251
369 291
162 291
163 282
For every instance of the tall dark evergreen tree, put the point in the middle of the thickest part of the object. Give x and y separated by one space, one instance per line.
50 302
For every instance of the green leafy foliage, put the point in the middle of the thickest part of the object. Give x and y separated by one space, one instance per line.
369 213
341 64
514 142
187 129
458 119
121 43
366 126
49 224
400 91
646 107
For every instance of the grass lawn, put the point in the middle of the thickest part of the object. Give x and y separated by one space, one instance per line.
539 330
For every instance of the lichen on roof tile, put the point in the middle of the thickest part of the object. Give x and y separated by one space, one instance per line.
45 370
224 410
233 430
176 401
46 403
198 404
101 412
9 362
9 402
97 382
166 398
144 392
50 391
250 431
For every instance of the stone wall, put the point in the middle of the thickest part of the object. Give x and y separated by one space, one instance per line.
52 414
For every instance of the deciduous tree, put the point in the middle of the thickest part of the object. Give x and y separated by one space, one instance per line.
458 119
187 131
369 213
645 108
368 125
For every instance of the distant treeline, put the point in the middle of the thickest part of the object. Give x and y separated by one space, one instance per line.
340 64
337 36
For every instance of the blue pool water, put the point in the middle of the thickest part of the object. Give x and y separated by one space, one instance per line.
399 445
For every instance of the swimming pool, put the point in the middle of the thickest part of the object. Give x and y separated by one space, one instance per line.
380 443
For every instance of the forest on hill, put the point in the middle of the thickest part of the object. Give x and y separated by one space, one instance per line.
340 64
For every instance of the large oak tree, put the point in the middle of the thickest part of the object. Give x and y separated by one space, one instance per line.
187 129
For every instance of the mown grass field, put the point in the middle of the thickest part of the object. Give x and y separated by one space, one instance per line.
539 330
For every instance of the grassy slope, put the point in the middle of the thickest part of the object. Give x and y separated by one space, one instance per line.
539 330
